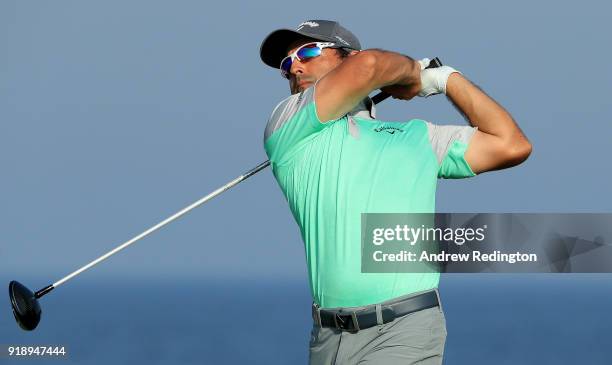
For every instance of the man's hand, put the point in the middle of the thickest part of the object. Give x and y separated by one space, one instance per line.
403 92
433 80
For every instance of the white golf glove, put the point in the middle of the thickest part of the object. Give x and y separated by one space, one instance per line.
433 80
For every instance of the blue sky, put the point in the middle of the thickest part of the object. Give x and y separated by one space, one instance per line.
114 115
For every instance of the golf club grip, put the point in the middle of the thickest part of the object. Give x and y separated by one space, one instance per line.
383 95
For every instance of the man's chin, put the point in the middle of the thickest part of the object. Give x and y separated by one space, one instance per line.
301 87
298 89
304 86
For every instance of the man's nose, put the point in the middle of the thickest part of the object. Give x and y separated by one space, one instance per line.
297 67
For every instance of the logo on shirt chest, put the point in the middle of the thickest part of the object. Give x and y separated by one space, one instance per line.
390 130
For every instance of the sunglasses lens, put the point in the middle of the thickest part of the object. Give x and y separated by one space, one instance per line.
309 51
286 66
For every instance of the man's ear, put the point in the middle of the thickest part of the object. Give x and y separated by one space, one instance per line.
353 53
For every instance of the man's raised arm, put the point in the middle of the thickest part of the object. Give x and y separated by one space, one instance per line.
499 142
345 86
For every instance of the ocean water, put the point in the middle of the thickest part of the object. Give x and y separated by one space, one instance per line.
491 319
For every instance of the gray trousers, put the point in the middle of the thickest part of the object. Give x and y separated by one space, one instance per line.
416 338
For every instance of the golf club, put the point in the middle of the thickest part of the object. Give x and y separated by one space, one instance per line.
24 302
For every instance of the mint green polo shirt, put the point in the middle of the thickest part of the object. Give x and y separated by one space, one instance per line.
332 172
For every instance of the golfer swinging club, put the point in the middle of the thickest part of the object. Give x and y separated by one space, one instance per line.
334 160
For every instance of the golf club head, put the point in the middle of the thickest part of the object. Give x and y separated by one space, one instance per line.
25 306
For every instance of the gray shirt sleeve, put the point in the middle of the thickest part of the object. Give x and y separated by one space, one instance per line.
442 137
286 109
449 143
291 126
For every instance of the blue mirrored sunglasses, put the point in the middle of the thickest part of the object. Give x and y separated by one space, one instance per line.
307 51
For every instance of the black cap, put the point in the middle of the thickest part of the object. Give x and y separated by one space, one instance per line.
274 48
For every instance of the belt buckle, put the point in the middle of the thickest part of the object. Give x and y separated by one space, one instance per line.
341 325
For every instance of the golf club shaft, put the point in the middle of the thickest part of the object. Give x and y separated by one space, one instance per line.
376 99
164 222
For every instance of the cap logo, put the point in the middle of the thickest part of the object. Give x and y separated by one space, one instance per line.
310 24
342 40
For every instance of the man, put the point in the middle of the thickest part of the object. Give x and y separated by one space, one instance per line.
333 161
